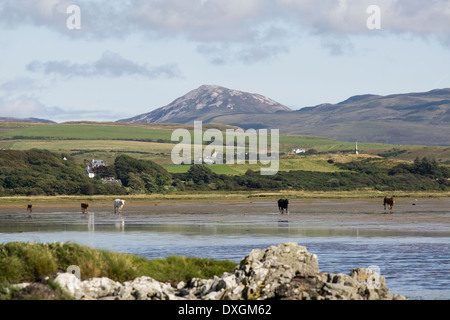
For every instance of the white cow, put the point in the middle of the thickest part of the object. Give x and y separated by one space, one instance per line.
118 204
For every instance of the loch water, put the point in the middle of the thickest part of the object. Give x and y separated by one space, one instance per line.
409 245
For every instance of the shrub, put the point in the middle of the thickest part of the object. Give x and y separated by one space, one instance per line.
22 261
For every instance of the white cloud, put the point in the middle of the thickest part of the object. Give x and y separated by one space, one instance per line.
19 84
110 64
233 22
26 106
22 107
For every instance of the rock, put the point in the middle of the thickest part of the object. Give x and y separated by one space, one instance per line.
71 284
284 272
97 288
267 269
21 286
146 288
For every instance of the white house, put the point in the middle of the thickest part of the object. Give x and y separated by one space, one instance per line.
93 164
298 150
209 159
89 172
97 163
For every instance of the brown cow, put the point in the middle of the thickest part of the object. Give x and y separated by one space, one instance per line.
30 208
389 202
85 207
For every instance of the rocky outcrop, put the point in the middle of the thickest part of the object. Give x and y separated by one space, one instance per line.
284 272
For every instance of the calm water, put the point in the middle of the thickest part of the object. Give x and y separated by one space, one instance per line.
410 246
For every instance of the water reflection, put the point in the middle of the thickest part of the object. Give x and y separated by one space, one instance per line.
120 225
283 224
91 222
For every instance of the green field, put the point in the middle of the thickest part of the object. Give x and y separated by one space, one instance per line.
87 132
106 150
86 141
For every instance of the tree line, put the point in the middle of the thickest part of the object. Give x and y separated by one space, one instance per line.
41 172
423 174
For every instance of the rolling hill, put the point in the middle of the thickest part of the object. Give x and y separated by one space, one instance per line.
411 118
85 141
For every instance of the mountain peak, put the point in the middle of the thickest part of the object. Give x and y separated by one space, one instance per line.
208 102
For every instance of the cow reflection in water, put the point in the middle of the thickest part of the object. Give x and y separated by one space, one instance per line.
283 205
120 225
91 222
283 224
30 211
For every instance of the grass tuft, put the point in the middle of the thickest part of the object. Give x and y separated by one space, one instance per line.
27 262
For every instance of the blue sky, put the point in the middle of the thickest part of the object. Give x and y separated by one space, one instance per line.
131 57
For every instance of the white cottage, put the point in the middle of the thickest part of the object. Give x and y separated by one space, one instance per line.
97 163
298 150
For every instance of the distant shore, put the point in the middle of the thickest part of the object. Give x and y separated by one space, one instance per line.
363 194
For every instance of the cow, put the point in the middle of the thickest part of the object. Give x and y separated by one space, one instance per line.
389 203
84 207
118 204
30 208
283 206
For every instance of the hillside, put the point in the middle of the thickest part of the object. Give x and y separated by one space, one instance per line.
40 172
328 165
412 118
208 102
86 141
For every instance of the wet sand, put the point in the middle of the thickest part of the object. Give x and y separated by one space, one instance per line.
421 215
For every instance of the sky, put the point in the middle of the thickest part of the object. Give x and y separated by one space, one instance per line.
98 60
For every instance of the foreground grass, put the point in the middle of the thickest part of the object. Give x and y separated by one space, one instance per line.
27 262
30 262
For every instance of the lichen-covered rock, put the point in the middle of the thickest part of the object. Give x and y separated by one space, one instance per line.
267 269
98 288
146 288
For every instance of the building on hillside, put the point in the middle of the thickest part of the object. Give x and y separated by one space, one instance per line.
89 172
298 150
209 159
97 163
94 164
112 181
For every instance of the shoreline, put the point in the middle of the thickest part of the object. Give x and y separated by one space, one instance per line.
233 196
